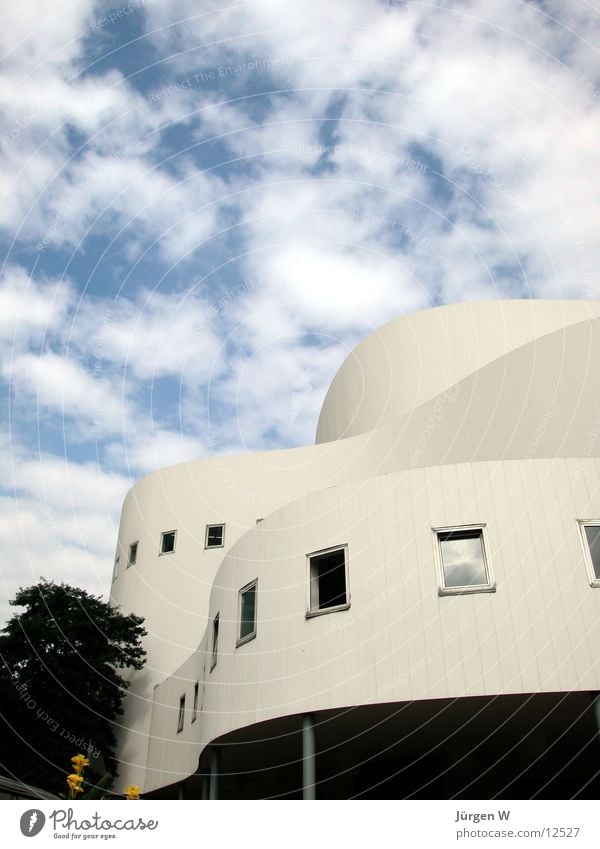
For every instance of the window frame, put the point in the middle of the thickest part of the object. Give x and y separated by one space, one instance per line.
252 635
181 714
162 553
131 562
468 589
214 649
208 547
195 702
593 579
312 612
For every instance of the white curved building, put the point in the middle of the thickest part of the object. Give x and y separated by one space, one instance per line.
410 607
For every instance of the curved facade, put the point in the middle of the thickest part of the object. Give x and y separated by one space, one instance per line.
433 553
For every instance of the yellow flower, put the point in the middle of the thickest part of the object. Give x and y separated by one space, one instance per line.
133 791
79 763
75 781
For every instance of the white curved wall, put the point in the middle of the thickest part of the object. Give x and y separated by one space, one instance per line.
412 359
380 492
400 640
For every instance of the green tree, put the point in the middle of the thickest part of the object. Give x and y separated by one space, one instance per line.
60 688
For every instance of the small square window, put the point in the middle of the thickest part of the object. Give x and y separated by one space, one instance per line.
215 536
328 581
247 613
181 716
131 560
167 542
195 705
590 537
116 567
215 642
462 562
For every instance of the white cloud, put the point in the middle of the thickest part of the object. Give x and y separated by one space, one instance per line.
336 290
60 522
48 97
60 483
106 194
87 104
34 35
153 448
267 404
30 309
33 547
152 335
67 388
506 83
490 97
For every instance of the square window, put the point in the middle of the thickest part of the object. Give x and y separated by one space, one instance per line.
116 567
167 542
590 537
328 581
131 560
181 717
215 536
462 562
195 705
247 613
215 642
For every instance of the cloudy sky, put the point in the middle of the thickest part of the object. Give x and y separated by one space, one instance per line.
205 206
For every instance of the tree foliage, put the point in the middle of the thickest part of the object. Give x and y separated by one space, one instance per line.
60 685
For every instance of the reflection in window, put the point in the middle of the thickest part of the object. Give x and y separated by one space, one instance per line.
167 542
462 560
181 717
215 642
195 705
132 559
591 537
247 627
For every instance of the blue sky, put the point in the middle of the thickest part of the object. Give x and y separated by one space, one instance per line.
205 207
